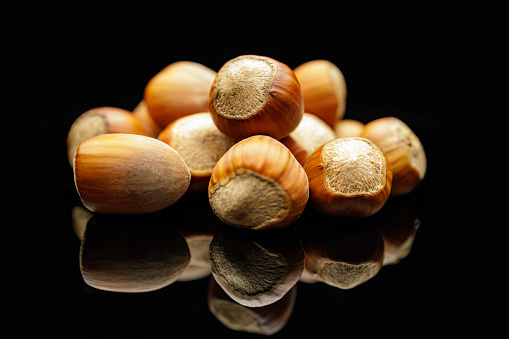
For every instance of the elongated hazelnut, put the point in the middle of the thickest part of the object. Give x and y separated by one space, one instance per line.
256 95
403 149
343 257
258 184
265 320
323 89
349 177
128 174
200 143
102 120
180 89
346 128
256 268
131 254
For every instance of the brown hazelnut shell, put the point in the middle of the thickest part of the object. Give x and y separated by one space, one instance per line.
403 149
180 89
329 202
128 174
281 112
323 89
101 120
271 164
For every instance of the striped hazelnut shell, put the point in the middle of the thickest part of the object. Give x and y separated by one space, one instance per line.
349 177
128 174
258 184
403 149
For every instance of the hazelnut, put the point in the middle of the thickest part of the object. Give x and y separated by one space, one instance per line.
180 89
131 254
265 320
312 132
297 149
199 143
258 184
143 116
323 89
349 177
256 95
102 120
347 128
256 268
403 149
128 174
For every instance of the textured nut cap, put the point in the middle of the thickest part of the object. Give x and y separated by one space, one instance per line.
258 184
256 95
349 177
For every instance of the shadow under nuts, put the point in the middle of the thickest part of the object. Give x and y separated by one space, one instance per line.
258 184
128 174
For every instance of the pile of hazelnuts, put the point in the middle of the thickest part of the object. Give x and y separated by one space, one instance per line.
260 138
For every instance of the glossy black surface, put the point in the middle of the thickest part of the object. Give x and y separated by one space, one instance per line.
398 77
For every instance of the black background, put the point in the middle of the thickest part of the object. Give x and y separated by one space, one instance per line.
412 70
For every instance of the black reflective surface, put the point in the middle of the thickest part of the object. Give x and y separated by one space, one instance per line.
418 294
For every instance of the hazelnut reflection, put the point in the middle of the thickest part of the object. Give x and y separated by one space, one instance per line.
343 257
265 320
398 223
256 268
80 217
131 254
255 273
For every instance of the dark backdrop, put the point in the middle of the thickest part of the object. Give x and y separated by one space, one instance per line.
410 71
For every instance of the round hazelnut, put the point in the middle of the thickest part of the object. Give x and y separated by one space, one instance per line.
128 174
349 177
258 184
102 120
403 149
312 132
347 128
200 143
180 89
256 95
144 117
323 89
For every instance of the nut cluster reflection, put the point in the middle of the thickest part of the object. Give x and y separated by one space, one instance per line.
253 275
